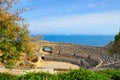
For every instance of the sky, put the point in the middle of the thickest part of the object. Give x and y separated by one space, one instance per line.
72 16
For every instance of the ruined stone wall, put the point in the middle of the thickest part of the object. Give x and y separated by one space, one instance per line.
82 55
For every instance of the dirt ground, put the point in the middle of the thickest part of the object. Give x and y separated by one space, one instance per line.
56 64
48 66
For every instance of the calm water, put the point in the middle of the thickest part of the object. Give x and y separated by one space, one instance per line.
93 40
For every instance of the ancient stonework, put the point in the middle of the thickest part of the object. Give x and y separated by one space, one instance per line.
81 55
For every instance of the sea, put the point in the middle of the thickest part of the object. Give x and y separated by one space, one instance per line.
91 40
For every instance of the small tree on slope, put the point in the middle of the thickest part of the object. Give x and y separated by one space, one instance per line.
14 35
115 48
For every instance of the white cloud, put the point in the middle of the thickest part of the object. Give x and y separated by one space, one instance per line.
73 23
95 4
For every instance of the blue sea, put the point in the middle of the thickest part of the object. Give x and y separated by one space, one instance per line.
92 40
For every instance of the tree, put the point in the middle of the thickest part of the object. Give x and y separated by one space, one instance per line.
115 48
14 35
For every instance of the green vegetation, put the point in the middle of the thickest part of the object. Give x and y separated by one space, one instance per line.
115 49
81 74
14 35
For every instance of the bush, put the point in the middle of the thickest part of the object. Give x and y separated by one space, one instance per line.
81 74
4 76
115 48
110 73
37 76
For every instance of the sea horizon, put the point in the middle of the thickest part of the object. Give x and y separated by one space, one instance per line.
80 39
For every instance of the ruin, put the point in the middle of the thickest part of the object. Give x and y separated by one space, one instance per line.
80 55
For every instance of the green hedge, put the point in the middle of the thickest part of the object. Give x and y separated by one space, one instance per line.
81 74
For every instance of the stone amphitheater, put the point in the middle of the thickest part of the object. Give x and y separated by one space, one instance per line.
56 57
82 55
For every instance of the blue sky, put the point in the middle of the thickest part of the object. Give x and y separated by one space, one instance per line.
72 16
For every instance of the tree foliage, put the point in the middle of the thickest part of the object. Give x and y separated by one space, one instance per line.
115 49
14 35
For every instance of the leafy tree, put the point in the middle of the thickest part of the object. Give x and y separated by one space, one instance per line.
115 48
14 35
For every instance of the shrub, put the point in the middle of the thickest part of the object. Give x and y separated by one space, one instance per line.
81 74
110 73
6 76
